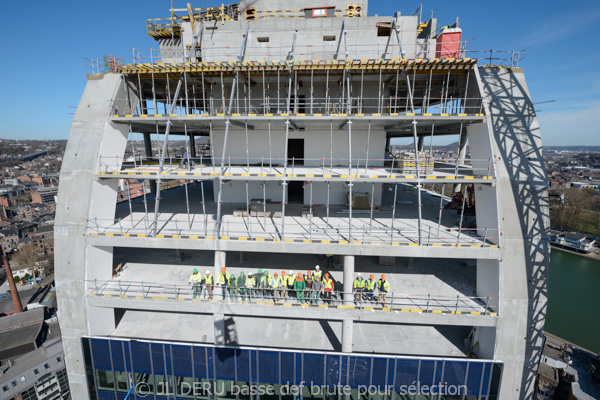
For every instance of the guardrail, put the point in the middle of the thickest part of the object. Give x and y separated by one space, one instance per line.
327 230
325 167
306 298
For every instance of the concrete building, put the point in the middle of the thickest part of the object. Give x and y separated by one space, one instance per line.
44 195
299 104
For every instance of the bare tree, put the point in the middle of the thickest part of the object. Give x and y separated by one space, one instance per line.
27 256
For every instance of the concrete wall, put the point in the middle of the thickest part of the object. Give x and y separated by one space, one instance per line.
362 40
521 190
317 145
81 198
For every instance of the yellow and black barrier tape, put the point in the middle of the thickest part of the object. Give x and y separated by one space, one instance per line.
327 306
259 239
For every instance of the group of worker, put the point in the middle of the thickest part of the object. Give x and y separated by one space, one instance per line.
307 288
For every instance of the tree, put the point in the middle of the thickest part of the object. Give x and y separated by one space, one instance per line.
27 256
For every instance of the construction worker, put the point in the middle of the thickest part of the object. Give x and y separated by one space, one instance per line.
196 279
274 285
250 285
264 284
241 285
329 258
359 287
299 286
370 288
328 287
291 279
384 287
317 291
308 281
209 284
223 279
259 281
232 287
318 275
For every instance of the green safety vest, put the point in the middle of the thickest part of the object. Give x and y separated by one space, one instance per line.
195 277
370 284
359 284
274 282
386 286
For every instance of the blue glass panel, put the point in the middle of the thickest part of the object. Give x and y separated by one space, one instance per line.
438 372
391 371
312 371
344 377
199 359
158 360
254 365
427 369
116 348
210 362
454 373
105 395
406 373
182 360
101 353
486 378
299 361
127 354
474 378
332 370
225 364
243 365
140 353
268 366
168 359
360 371
379 372
287 367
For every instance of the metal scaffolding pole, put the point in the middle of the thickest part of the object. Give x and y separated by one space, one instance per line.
270 149
331 146
368 142
350 184
394 214
129 200
372 204
441 208
165 144
247 149
264 185
212 145
328 188
284 183
204 209
414 124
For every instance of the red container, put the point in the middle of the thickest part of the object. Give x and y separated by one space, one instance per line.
448 43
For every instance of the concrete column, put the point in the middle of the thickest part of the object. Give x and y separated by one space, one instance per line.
420 142
347 328
219 322
219 264
462 147
148 153
147 145
348 280
192 146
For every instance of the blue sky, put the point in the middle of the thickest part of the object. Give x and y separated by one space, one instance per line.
45 44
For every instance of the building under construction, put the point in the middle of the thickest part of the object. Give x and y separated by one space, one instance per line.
299 101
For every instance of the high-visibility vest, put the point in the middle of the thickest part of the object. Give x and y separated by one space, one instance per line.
290 280
274 282
196 278
328 284
208 279
263 280
359 284
222 279
317 275
386 286
250 282
370 284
